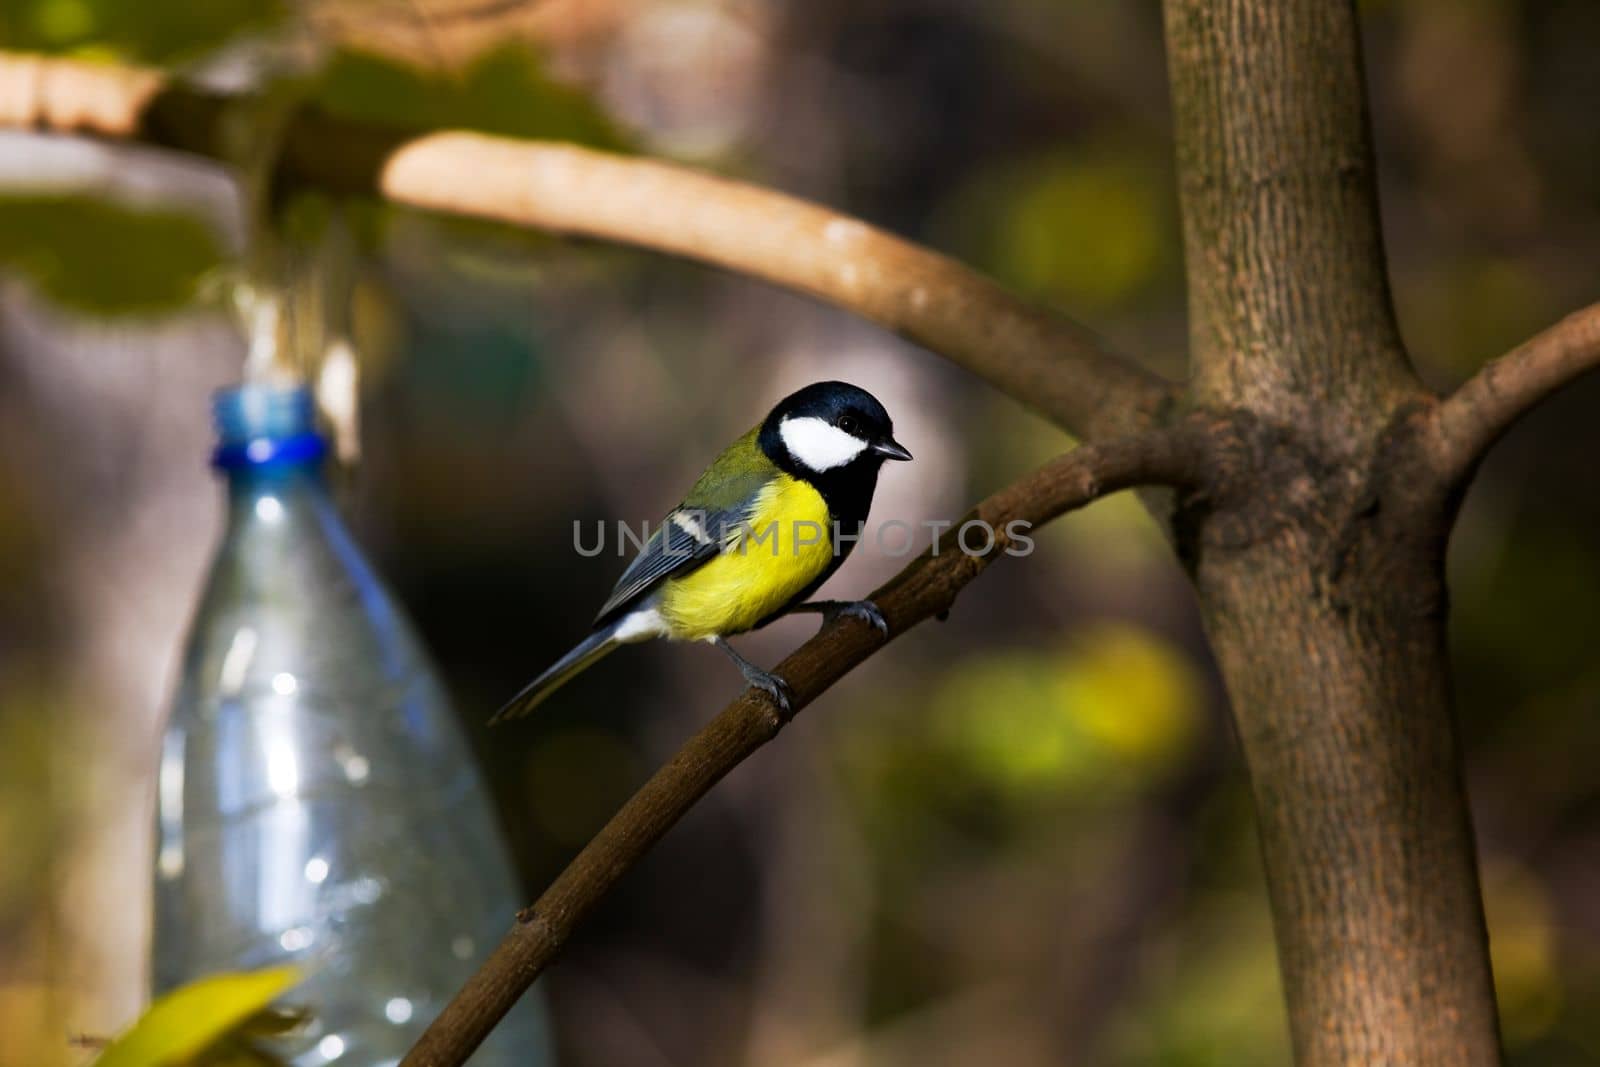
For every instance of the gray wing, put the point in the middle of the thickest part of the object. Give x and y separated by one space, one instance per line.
686 539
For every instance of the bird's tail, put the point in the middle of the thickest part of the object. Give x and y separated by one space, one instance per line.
590 651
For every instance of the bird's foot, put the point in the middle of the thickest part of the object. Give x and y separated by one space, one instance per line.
770 684
766 681
865 610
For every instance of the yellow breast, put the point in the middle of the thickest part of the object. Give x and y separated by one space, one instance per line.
788 544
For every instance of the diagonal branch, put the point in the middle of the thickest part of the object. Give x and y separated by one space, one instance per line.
1474 417
1046 361
927 587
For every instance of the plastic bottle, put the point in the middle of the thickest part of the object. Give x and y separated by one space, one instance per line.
316 800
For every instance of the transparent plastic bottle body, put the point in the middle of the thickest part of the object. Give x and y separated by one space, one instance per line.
315 799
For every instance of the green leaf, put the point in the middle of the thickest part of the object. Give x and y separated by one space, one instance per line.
504 91
159 31
96 255
181 1026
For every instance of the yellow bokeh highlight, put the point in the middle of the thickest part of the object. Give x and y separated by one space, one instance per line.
1136 696
1084 227
1118 704
1523 950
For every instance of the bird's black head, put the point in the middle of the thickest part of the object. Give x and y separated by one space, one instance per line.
829 429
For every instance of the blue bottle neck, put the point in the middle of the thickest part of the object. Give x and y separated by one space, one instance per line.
267 440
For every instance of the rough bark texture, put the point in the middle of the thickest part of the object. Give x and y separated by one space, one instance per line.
1288 294
1320 567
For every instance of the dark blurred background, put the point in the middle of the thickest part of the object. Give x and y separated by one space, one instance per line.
1022 836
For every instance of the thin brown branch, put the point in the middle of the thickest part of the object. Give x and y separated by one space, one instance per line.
925 588
1046 361
1473 418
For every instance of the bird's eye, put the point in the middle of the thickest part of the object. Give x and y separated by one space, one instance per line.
848 424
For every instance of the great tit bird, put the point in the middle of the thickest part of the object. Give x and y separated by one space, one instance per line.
754 537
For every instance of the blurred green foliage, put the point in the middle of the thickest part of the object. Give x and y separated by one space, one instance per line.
1527 978
98 256
1119 707
506 90
1003 735
27 765
1089 228
161 31
1213 996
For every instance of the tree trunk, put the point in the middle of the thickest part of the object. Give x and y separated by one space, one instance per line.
1319 561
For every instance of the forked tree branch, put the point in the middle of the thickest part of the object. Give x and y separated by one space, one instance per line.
1046 361
1323 606
1470 420
927 587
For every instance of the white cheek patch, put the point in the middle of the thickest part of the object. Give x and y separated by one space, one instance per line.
819 445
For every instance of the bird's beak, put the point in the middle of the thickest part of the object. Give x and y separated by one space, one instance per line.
891 449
